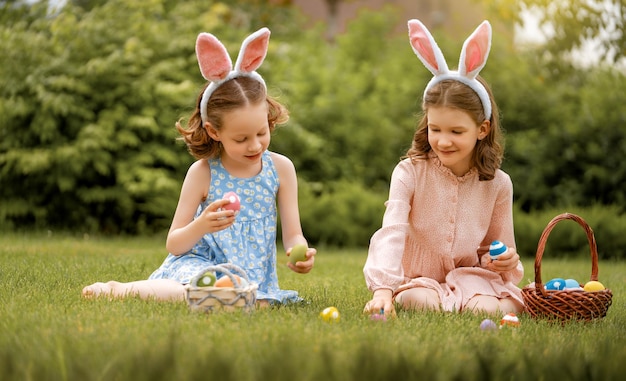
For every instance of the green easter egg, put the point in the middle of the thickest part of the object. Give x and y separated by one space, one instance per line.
206 280
298 253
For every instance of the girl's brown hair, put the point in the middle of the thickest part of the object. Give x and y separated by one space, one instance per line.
488 153
231 95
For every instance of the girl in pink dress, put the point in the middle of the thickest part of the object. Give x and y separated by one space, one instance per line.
448 198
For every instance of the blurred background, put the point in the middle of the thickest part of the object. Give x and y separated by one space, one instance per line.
90 92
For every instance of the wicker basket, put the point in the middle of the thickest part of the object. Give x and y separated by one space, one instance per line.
565 305
210 299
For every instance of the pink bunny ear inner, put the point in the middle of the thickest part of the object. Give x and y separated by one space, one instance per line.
422 44
253 51
476 50
213 59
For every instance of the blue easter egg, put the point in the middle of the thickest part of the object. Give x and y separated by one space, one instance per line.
496 248
571 283
555 284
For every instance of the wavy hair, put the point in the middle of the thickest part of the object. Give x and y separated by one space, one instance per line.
231 95
488 153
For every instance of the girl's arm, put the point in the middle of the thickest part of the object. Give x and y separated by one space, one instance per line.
383 266
185 232
287 199
508 265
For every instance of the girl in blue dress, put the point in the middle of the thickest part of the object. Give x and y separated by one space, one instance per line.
229 135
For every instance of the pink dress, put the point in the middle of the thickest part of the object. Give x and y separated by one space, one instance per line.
436 233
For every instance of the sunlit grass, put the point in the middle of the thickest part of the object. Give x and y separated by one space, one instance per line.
47 331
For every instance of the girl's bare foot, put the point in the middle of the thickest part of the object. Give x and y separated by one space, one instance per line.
99 289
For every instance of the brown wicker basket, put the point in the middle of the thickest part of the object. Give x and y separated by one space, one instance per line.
209 299
565 305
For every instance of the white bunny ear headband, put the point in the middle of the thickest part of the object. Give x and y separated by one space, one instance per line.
216 66
473 58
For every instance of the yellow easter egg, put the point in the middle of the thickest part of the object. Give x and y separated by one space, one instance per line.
593 285
330 315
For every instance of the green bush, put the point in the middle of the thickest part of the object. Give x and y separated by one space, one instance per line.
90 97
341 213
88 104
568 238
568 149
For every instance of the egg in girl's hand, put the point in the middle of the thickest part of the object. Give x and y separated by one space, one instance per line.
593 285
555 284
234 203
379 316
496 248
298 253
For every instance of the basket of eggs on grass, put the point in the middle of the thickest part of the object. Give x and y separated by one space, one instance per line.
223 287
566 299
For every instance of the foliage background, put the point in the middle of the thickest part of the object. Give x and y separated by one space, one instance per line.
90 95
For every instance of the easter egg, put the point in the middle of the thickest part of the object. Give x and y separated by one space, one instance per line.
572 284
206 280
593 285
488 325
509 320
225 281
496 248
234 201
298 253
555 284
330 315
380 316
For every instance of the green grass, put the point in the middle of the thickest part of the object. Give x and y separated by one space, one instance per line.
48 332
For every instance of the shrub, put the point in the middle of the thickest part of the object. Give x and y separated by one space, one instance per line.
340 214
568 239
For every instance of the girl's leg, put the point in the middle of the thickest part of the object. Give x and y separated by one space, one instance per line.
419 298
483 304
511 305
493 305
160 289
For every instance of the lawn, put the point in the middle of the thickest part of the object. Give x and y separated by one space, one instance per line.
48 332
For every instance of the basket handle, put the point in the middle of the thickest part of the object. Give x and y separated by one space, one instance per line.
544 237
227 268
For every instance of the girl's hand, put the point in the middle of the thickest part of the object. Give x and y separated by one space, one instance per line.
304 267
382 299
214 219
506 261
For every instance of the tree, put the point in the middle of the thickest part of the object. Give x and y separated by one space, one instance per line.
90 97
571 24
88 104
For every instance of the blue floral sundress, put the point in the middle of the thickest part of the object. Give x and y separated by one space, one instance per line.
249 243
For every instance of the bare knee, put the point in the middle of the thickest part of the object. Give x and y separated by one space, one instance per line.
493 305
419 298
483 303
508 305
